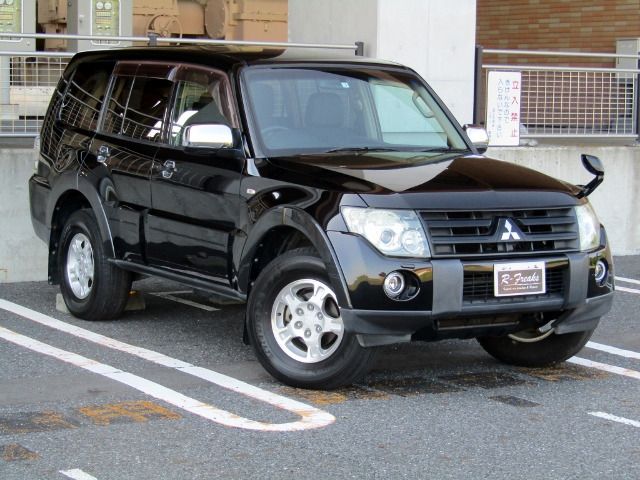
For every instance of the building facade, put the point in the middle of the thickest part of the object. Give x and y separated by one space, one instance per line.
586 25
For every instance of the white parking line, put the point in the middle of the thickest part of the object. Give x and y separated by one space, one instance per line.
627 280
163 393
77 474
605 367
614 350
613 418
172 296
628 290
311 417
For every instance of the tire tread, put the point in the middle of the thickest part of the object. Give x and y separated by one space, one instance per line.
110 291
550 351
348 364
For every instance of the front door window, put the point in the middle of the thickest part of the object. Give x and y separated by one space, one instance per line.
201 98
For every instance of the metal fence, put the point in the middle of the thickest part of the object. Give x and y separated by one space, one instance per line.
566 101
556 101
27 79
26 84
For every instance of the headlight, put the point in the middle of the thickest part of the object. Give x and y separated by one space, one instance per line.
393 232
588 226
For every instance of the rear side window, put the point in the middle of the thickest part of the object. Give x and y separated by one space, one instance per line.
117 105
147 105
85 94
137 107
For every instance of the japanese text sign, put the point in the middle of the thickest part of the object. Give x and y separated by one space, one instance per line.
503 108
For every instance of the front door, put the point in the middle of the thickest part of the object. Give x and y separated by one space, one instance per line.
195 201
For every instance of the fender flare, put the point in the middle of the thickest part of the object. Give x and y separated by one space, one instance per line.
79 181
305 224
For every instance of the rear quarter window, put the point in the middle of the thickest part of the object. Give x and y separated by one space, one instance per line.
85 95
51 133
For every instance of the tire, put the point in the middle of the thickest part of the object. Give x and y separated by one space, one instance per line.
312 350
92 288
534 349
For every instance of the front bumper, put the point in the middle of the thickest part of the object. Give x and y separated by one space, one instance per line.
375 328
456 296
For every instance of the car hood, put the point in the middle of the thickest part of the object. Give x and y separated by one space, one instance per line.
418 180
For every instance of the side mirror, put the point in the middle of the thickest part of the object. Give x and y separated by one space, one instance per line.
207 136
594 166
478 136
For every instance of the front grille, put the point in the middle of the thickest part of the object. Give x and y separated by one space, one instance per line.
478 233
478 287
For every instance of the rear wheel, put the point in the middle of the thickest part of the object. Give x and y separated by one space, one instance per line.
92 288
535 347
295 327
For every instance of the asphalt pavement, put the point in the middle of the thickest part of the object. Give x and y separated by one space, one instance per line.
171 392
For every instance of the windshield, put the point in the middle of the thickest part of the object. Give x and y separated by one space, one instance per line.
312 110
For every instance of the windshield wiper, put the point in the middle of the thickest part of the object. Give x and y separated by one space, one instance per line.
443 149
398 149
361 149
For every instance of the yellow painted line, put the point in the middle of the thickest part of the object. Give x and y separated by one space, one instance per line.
15 452
136 412
564 372
310 417
34 422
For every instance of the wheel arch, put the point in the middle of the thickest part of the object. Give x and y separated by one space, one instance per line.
283 229
72 193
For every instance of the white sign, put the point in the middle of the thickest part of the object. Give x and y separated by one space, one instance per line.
503 108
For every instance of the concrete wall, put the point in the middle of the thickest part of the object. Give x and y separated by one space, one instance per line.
585 25
408 31
437 39
23 256
616 201
332 21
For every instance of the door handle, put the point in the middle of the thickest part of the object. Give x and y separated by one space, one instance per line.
104 152
169 169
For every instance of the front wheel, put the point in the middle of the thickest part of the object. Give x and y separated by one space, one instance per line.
295 327
535 348
92 288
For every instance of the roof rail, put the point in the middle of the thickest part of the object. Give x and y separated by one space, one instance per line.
154 39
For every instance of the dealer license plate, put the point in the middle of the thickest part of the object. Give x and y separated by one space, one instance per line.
522 278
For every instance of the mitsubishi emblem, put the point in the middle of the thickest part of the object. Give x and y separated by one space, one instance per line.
510 232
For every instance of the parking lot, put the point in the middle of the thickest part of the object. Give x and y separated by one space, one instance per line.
171 392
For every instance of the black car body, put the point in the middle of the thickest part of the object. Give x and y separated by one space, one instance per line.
297 179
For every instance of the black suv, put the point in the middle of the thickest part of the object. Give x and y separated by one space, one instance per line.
336 195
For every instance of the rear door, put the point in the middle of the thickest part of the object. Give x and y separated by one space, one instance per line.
125 145
194 190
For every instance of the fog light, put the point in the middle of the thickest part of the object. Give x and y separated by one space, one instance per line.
600 272
394 284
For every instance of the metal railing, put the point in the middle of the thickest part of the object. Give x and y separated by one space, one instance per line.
556 101
154 39
28 79
570 101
